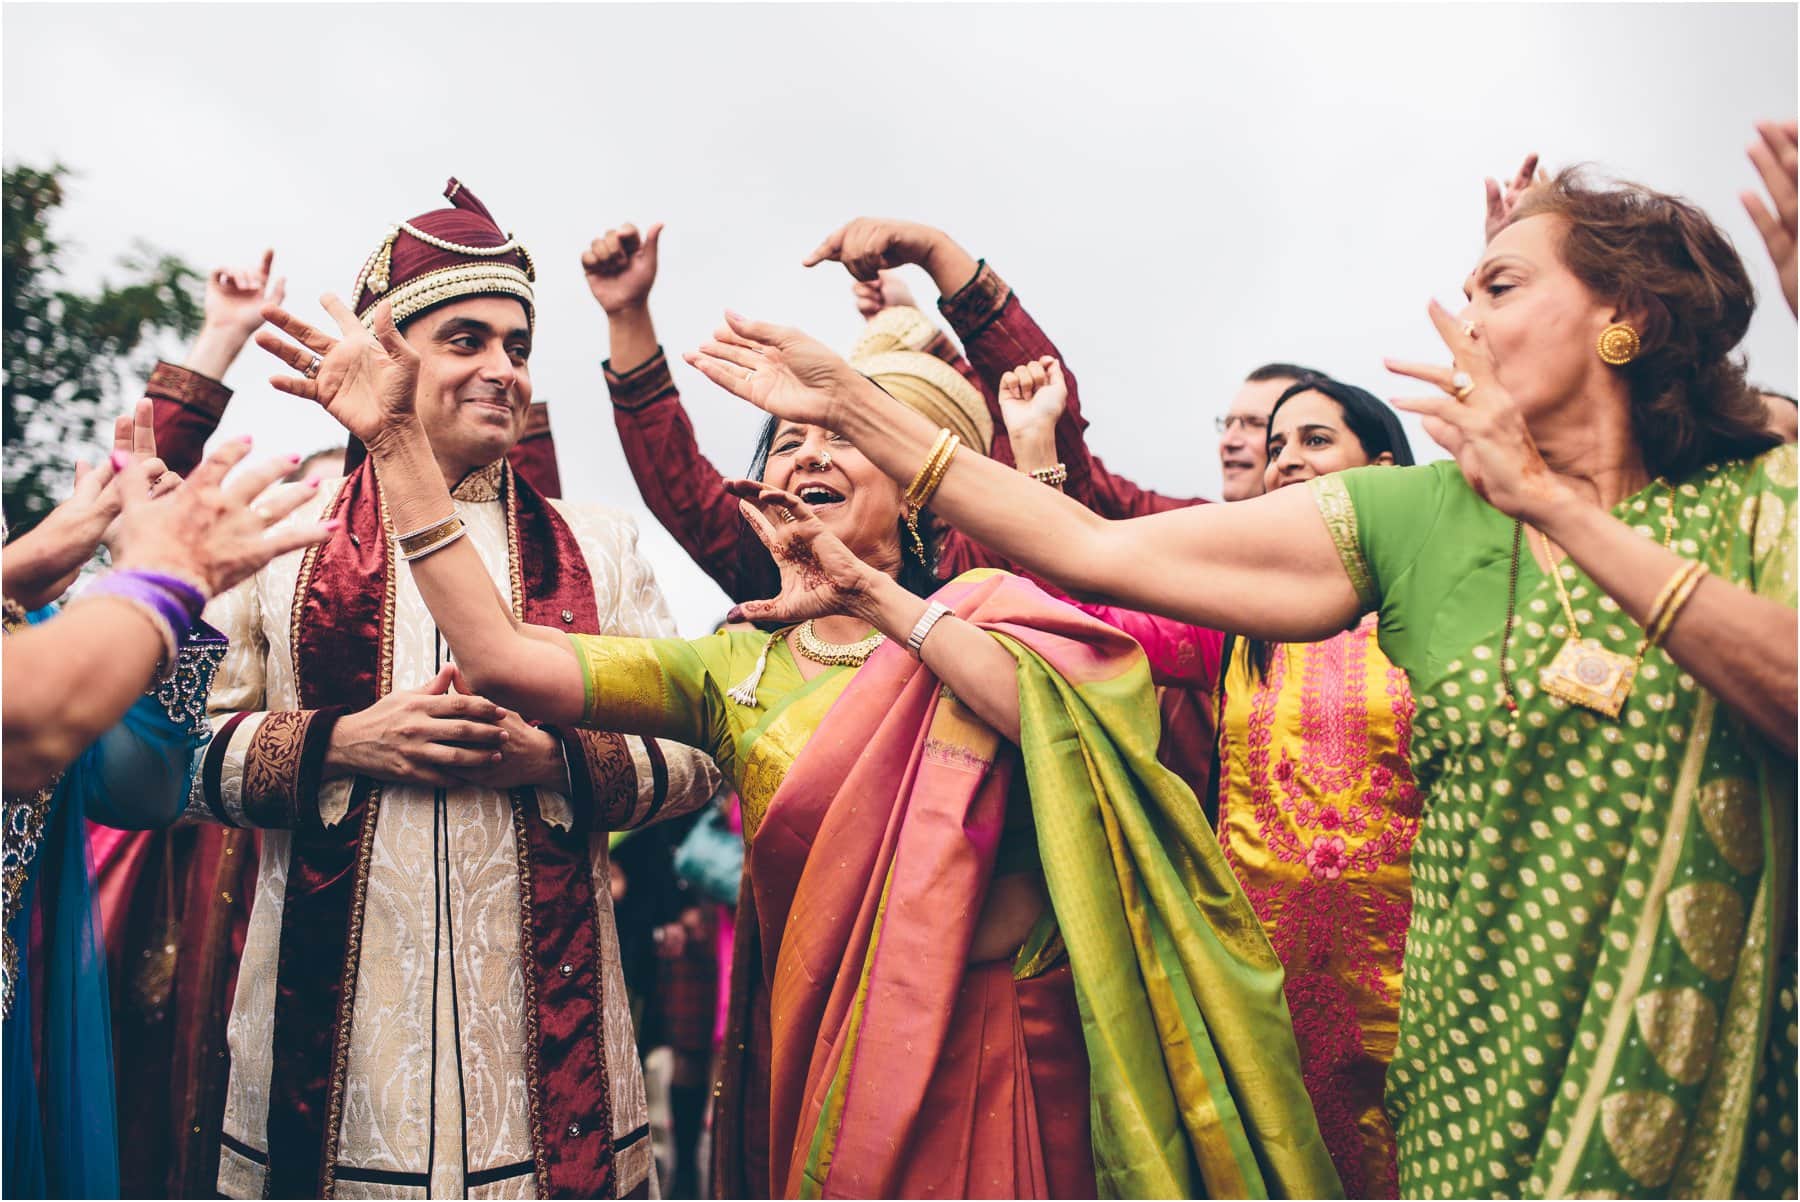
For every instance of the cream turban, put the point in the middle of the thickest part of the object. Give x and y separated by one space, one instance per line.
890 353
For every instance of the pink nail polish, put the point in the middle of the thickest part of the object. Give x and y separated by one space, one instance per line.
293 459
246 439
335 524
314 481
118 460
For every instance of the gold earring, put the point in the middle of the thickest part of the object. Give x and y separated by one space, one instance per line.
1618 344
912 525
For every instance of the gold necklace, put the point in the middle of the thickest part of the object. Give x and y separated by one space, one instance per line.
1584 671
834 655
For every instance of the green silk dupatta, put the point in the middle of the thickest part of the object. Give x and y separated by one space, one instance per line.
1599 978
873 860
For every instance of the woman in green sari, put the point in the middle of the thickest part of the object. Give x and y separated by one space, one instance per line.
1594 603
1001 954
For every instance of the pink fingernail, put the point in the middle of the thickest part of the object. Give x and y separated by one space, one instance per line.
246 439
119 459
314 481
293 459
335 524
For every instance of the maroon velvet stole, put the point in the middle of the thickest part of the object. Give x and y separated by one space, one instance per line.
343 657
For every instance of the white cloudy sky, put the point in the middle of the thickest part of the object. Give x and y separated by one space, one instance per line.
1178 193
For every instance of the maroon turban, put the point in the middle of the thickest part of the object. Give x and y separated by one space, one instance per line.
442 256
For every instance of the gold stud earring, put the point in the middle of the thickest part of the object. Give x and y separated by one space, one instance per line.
1618 344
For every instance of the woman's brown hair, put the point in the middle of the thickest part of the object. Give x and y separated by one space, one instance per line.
1663 261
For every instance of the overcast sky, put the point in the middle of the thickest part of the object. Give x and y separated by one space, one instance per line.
1177 193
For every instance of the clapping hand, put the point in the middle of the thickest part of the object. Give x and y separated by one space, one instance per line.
209 529
365 380
776 368
1501 202
819 574
886 291
1477 421
235 297
1775 157
621 266
42 564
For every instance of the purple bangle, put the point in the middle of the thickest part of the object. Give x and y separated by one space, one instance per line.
146 589
186 592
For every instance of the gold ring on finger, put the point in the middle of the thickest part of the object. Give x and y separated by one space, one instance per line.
787 515
1468 329
1461 385
311 370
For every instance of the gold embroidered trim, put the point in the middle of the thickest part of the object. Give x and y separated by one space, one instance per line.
482 484
528 966
450 283
1339 512
271 788
340 1050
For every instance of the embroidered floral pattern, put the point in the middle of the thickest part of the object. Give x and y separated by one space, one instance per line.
1318 812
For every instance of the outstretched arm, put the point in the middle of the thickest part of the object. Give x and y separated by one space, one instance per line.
680 486
1266 568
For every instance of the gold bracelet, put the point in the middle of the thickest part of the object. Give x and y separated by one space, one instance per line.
1688 581
1655 612
430 538
937 448
1055 477
937 472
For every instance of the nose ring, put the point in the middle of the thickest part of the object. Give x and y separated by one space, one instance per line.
824 460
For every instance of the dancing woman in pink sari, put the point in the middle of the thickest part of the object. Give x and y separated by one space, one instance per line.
1001 955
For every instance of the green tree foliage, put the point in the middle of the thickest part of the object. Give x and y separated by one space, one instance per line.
68 354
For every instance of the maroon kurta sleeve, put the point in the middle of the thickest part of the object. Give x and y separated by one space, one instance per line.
534 455
681 487
188 408
1000 335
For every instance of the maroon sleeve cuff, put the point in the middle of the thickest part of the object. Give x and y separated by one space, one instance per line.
283 764
602 779
184 386
647 382
977 303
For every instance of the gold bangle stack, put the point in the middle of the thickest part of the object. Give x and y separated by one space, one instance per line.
1669 602
435 537
923 485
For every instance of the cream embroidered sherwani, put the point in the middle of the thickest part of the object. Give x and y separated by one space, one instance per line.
435 1096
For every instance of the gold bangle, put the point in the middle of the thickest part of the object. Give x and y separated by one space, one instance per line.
937 448
1655 612
1691 577
430 538
937 474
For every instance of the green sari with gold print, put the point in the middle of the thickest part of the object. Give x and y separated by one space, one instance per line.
1599 980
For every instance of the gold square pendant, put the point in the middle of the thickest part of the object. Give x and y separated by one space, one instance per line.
1590 675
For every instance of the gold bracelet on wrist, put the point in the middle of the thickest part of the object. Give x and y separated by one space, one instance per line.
436 536
931 457
936 476
1679 590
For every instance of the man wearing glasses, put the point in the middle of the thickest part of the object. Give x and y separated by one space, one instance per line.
1244 428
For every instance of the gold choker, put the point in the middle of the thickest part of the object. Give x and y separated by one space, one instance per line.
834 655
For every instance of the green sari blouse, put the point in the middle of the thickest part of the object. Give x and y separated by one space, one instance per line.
1599 980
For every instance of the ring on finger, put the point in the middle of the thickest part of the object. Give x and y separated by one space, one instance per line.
1461 385
787 515
311 370
1468 329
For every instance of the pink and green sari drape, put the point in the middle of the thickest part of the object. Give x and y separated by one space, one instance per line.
900 1069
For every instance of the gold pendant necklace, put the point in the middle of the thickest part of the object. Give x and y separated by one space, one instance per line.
834 655
1584 671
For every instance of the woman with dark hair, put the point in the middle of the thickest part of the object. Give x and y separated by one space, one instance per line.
1607 701
1001 955
1316 803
